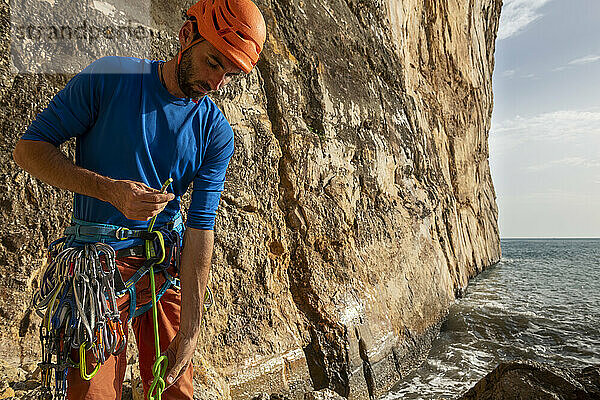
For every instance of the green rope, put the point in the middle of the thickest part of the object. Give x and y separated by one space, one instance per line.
160 364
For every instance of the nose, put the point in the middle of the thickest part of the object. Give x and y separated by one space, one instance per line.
218 80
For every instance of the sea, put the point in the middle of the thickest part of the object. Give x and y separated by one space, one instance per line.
540 302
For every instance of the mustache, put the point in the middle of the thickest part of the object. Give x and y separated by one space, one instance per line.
204 85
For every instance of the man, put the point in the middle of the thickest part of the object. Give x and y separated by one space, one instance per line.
137 123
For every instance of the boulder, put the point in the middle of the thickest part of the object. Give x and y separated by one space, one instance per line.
533 380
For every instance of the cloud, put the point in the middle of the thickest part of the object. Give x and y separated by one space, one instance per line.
512 73
552 196
557 125
567 161
517 14
560 129
585 60
579 61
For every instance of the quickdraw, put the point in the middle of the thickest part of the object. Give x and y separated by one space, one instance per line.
77 303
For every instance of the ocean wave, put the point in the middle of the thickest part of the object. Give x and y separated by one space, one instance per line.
538 304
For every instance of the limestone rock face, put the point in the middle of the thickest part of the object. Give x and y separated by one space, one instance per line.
359 199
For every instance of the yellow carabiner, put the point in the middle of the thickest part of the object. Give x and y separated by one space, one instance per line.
150 247
83 365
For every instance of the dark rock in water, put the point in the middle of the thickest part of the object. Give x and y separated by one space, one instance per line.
533 380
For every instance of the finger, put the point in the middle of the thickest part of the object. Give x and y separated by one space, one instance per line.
174 376
152 214
140 216
148 208
146 215
175 367
171 360
156 197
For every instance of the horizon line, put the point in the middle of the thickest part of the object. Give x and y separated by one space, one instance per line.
550 237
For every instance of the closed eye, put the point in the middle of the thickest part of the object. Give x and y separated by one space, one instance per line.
212 64
213 60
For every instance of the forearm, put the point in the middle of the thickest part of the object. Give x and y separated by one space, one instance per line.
194 270
47 163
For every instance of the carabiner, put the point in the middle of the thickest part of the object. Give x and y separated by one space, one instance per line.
122 233
120 334
83 365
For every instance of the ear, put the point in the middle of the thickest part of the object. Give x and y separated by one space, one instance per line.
186 33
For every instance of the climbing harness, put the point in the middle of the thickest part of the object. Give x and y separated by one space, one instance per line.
77 298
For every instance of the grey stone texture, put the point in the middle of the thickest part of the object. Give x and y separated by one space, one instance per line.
359 200
517 380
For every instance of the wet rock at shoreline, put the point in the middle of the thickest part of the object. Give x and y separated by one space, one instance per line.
533 380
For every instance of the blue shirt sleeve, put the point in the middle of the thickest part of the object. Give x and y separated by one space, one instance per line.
210 179
73 110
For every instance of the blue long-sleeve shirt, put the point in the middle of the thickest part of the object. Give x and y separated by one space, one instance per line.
128 126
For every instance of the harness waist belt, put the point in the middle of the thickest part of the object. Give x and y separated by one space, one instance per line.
82 228
134 251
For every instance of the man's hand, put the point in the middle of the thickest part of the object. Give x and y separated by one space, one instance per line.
179 354
134 199
138 201
194 269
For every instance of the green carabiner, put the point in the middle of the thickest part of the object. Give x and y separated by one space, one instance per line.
150 248
83 365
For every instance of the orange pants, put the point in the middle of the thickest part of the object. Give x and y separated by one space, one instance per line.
108 382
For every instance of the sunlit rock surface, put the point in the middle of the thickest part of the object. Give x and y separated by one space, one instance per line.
358 204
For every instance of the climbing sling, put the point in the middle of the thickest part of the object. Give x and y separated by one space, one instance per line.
77 298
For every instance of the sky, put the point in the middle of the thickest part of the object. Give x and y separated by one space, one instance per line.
545 136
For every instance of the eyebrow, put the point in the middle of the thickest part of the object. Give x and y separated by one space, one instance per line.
218 60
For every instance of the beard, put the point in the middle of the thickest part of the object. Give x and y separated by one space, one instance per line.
187 84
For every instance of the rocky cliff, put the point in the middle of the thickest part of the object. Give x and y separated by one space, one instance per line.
359 200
